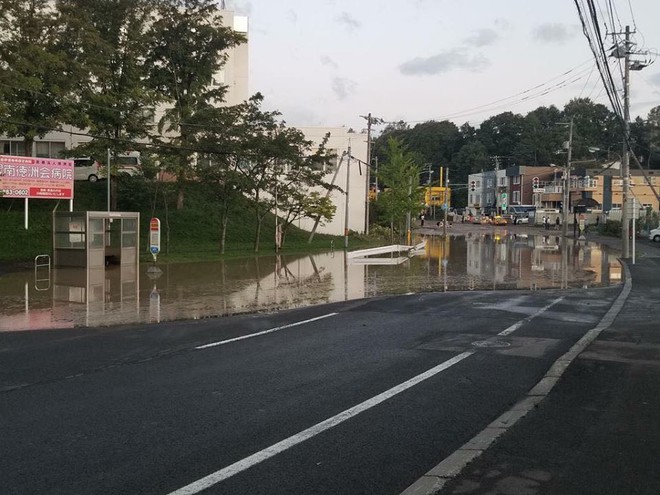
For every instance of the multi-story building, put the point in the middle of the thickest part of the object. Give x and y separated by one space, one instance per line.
234 75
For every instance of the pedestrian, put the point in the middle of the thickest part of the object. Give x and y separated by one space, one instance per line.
557 223
421 217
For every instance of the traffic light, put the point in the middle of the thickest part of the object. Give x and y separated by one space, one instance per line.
473 185
535 182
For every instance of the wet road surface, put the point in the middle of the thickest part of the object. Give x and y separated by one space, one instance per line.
361 396
491 259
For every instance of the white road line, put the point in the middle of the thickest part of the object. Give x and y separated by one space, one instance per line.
518 324
264 332
293 440
435 479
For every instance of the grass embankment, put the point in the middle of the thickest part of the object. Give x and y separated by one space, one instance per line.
190 234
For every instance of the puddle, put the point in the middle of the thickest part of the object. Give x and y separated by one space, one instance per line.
123 295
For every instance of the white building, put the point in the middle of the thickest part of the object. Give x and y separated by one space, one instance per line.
354 170
235 75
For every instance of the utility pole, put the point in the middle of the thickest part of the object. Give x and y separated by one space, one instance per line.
567 183
348 182
370 120
625 158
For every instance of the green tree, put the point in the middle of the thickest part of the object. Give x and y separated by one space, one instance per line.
188 48
219 165
594 126
302 189
541 137
33 71
471 158
399 173
501 133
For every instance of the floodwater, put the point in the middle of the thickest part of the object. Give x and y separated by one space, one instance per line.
64 298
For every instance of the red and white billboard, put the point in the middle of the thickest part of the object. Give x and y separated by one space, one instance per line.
32 177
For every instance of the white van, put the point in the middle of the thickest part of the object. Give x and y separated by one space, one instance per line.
86 168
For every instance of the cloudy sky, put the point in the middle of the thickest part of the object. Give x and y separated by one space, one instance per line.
326 62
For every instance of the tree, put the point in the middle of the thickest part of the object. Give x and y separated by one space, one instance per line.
33 72
594 125
399 173
299 188
115 104
501 133
541 137
220 164
188 48
471 158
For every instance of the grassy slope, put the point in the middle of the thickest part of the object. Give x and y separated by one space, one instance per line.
194 231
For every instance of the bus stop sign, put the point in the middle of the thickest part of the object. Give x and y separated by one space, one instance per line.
154 237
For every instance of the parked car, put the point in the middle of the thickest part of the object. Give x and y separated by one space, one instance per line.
86 168
654 235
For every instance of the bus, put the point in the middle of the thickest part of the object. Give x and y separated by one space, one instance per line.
522 212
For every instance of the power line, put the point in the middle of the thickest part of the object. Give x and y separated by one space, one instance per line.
485 107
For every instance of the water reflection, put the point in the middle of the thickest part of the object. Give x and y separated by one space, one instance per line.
118 294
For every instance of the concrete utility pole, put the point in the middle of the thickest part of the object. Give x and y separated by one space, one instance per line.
567 183
625 158
348 183
370 120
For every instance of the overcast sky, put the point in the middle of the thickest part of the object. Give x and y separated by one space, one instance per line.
326 62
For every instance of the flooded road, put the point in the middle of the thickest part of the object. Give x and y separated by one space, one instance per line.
67 297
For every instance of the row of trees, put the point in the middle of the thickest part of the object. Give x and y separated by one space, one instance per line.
536 138
105 65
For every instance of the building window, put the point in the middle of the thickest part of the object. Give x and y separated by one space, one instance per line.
516 179
502 181
44 149
478 184
516 196
616 206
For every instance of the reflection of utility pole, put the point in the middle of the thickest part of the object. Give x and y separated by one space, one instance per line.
567 173
370 120
446 203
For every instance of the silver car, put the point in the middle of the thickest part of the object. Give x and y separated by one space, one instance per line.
654 235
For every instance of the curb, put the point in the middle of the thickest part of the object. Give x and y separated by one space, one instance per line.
435 479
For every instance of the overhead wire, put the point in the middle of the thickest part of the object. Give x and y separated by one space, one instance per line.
530 93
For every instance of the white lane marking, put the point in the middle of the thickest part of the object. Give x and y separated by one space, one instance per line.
293 440
518 324
264 332
434 480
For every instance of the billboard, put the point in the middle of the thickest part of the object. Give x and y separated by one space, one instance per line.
35 178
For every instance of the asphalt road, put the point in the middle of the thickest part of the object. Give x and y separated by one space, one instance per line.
364 398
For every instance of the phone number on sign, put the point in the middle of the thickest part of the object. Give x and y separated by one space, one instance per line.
14 192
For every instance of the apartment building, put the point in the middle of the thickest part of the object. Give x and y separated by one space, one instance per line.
234 74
